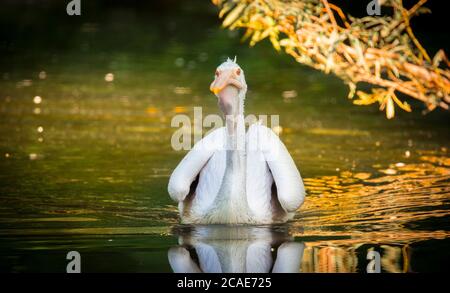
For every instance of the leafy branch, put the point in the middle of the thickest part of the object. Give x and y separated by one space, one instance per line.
379 50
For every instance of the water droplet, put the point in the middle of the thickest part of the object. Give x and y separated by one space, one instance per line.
179 90
42 75
40 129
389 171
109 77
37 111
37 100
7 155
407 154
24 83
33 156
289 94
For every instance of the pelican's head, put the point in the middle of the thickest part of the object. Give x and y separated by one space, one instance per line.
229 85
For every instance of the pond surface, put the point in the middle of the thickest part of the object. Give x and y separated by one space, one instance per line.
85 124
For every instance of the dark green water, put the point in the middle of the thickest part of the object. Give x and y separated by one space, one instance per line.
87 167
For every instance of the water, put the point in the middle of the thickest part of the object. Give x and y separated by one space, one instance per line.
86 166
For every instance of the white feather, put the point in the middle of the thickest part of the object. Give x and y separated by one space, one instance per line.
235 187
267 161
236 249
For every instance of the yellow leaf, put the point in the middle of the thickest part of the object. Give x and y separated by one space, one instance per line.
390 109
352 90
405 106
275 43
256 38
233 15
226 7
287 43
364 98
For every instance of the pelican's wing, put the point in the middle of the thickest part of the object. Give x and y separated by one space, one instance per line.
208 259
191 165
289 258
290 188
181 262
259 258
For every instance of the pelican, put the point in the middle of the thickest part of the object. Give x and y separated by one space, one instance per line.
234 176
235 249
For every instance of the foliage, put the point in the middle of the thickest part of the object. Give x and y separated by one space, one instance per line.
379 50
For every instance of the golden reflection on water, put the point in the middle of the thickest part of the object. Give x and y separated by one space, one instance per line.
344 215
379 206
373 211
328 260
355 209
343 259
349 214
359 206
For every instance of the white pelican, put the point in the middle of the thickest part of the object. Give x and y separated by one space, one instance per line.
235 249
234 177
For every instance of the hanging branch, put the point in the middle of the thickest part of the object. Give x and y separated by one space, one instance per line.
379 50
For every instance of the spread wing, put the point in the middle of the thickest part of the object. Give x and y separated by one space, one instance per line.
289 183
191 165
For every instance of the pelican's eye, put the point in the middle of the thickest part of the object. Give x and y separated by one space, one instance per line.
238 71
217 72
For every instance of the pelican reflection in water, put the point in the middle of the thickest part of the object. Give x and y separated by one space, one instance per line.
235 249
